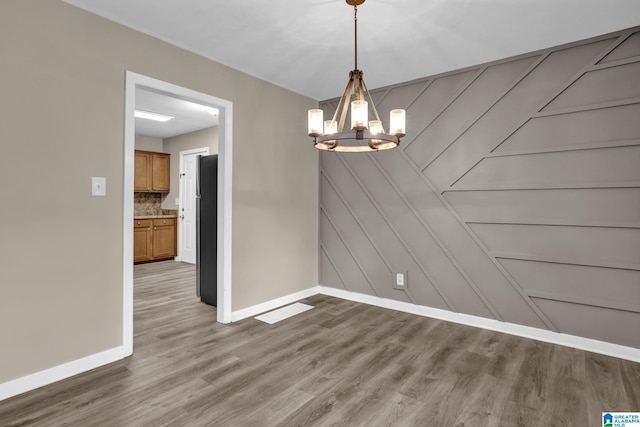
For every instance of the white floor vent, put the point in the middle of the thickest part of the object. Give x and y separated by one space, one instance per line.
284 312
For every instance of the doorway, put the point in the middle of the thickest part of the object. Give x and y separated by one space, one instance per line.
133 81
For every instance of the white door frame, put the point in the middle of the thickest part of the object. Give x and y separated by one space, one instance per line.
225 153
203 151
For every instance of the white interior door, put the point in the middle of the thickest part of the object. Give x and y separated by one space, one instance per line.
187 206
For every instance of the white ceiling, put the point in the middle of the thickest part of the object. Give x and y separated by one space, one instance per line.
187 116
307 45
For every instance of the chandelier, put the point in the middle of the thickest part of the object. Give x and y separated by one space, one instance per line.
333 137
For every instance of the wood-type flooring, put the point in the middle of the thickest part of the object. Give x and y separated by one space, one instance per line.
340 364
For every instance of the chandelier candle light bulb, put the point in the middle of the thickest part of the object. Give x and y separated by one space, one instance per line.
365 135
330 126
375 126
315 122
359 115
397 122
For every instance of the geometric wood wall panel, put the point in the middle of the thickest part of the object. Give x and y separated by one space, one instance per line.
329 272
599 87
603 126
584 206
363 251
525 98
602 246
372 251
595 322
480 94
556 169
629 48
608 287
515 195
402 239
343 261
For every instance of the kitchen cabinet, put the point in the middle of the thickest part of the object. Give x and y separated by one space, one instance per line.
164 238
142 240
151 172
154 239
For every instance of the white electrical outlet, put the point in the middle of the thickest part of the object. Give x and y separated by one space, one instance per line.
98 186
400 281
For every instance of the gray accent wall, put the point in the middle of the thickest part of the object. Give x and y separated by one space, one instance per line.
515 195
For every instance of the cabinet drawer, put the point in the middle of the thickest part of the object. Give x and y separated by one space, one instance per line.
142 223
158 222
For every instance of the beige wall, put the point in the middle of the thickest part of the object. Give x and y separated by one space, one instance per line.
149 143
188 141
61 249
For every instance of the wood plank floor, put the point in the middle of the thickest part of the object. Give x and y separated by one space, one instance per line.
340 364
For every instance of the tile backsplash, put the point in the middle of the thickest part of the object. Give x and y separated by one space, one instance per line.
145 204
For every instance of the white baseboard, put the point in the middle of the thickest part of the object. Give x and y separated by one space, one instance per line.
60 372
270 305
587 344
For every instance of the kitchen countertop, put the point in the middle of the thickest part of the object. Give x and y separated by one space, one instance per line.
154 216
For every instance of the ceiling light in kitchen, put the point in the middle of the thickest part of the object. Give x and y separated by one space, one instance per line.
152 116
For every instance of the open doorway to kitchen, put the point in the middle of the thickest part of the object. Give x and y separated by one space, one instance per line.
135 82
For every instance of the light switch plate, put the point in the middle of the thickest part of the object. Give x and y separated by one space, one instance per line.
98 186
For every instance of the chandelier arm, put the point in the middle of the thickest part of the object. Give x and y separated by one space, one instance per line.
373 105
344 104
347 90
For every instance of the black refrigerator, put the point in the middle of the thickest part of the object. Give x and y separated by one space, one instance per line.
207 229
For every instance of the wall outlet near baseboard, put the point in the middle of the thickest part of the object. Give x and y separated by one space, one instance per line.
400 280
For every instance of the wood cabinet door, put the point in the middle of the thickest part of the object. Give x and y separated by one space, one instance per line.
142 250
142 172
161 175
164 238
